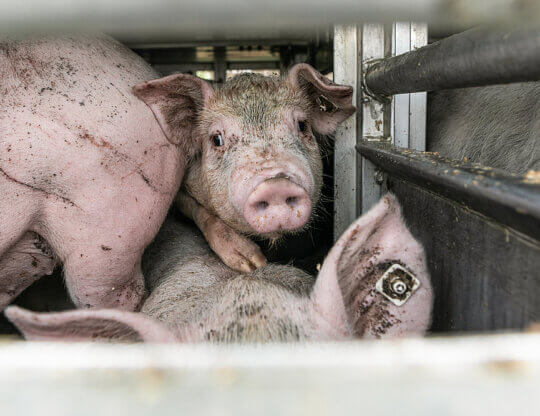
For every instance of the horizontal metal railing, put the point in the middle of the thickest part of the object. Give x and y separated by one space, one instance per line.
508 199
475 57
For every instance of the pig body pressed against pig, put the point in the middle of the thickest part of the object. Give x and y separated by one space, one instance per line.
496 126
259 170
195 297
86 173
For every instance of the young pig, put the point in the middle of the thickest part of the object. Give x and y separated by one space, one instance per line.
259 171
195 297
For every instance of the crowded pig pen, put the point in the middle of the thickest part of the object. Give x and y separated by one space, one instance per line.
277 215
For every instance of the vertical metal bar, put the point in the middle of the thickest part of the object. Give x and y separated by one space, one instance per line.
418 100
373 116
345 155
409 110
356 187
401 43
220 64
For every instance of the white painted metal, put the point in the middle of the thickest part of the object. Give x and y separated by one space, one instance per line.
374 124
345 155
144 21
409 110
494 375
418 101
401 43
403 122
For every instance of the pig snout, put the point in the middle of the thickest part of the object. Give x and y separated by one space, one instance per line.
277 204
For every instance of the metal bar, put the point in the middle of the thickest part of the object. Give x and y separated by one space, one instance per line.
154 21
409 110
473 58
508 199
401 43
491 375
375 115
345 157
418 100
220 64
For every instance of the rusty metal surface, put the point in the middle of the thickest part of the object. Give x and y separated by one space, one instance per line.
508 199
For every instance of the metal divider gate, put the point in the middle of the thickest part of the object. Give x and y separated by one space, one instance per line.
480 227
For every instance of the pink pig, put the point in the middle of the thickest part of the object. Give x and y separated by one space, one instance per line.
87 173
373 283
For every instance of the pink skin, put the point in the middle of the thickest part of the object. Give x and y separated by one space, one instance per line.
83 163
265 171
343 304
277 205
264 176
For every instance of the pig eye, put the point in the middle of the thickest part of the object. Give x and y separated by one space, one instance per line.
217 140
302 126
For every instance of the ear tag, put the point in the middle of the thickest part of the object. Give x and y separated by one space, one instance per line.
397 284
325 105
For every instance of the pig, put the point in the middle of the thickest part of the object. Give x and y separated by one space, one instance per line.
87 170
258 171
496 126
196 298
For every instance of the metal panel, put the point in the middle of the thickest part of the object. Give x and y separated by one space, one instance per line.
509 199
481 231
401 43
345 156
485 275
418 100
409 110
492 375
149 21
374 120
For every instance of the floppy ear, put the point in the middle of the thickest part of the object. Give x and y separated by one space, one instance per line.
330 103
374 282
88 325
175 101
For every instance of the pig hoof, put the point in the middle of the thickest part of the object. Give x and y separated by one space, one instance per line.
235 250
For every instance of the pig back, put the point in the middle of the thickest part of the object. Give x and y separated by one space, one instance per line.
195 294
497 126
70 125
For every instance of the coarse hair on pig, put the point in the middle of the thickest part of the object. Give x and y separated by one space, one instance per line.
258 171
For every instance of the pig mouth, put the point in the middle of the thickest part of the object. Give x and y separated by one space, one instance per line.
276 206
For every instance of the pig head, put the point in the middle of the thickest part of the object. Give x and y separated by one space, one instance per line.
259 170
373 284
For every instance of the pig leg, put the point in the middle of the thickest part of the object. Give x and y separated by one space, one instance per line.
104 280
24 263
235 250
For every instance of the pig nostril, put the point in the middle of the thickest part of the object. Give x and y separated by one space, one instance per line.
261 206
291 201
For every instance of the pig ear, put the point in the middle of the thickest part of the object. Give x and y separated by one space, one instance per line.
331 103
88 325
175 101
377 247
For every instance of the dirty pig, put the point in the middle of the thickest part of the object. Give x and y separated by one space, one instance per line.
259 169
87 173
373 284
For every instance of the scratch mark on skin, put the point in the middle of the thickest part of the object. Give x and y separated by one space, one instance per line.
35 188
102 143
117 89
